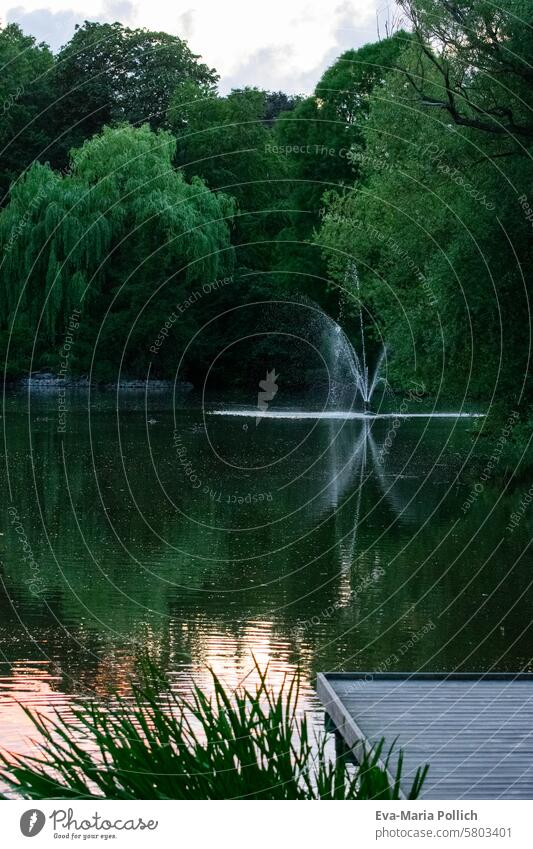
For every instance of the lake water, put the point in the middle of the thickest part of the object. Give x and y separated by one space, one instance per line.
206 538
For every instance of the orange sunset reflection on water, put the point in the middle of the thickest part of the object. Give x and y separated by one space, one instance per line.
44 688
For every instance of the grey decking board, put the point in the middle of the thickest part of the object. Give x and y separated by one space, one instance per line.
476 732
429 676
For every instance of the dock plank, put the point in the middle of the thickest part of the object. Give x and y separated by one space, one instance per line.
475 731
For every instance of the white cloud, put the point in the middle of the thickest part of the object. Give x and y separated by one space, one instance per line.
55 22
282 44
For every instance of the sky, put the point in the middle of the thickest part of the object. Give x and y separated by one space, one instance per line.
279 44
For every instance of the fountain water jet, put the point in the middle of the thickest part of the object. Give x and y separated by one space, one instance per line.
344 355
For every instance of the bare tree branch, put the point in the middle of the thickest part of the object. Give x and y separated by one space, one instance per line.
474 50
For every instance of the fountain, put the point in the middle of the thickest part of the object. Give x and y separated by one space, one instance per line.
350 379
345 358
347 369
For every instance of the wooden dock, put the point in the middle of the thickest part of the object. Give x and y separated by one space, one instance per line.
474 731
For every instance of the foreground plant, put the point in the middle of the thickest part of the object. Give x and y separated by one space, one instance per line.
243 745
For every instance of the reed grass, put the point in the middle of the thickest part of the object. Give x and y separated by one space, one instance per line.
247 744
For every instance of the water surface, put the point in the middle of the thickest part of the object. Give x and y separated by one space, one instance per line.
325 543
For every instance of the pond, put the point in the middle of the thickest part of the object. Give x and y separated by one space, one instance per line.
324 543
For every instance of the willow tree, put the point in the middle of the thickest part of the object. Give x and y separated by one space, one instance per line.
122 236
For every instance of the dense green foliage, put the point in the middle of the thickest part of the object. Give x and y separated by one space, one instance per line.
108 73
437 221
26 92
434 223
228 142
122 236
409 162
241 745
316 138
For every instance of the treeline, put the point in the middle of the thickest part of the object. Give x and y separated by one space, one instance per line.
129 183
125 183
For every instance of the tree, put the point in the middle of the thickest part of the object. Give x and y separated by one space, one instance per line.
433 227
277 102
108 73
225 141
25 95
123 236
317 136
481 52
